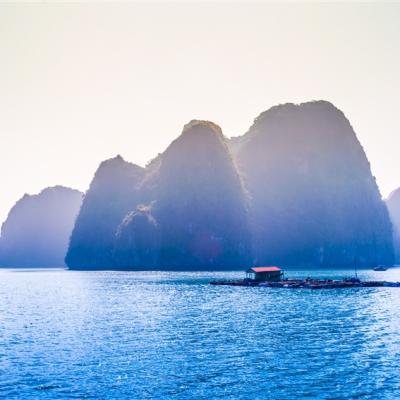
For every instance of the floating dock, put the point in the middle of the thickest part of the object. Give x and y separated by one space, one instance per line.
308 283
273 277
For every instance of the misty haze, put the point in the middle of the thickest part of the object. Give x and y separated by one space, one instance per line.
200 200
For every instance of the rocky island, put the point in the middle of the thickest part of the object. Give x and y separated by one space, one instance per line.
296 189
186 210
38 227
313 199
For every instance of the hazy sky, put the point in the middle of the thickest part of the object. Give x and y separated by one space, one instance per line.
80 83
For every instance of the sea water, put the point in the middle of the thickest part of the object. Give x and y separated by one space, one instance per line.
152 335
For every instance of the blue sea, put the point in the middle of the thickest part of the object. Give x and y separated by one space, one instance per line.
153 335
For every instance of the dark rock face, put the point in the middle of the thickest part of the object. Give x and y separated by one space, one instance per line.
314 200
393 205
112 194
187 210
38 227
201 205
138 241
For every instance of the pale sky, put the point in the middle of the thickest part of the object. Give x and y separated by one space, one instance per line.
82 82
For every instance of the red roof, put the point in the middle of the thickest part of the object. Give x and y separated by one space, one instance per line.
265 269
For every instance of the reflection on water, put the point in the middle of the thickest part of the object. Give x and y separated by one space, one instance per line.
143 335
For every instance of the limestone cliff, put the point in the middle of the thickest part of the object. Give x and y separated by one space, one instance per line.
38 227
112 194
314 200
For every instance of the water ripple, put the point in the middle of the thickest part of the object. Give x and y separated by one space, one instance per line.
113 335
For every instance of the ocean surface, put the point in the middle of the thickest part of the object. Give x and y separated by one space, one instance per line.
152 335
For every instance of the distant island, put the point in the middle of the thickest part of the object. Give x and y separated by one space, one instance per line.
37 230
295 189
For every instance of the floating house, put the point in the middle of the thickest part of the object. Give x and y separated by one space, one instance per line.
268 274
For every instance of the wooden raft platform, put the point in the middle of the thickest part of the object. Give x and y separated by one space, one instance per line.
308 283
